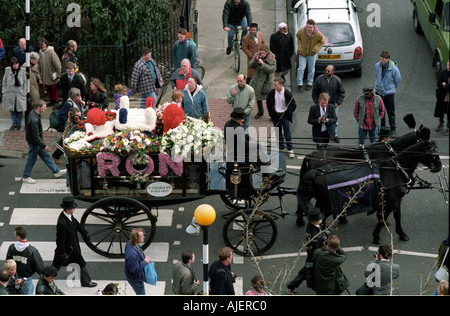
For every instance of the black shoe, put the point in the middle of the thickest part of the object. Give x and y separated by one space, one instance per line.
90 284
229 50
393 133
336 140
257 116
308 87
300 88
2 165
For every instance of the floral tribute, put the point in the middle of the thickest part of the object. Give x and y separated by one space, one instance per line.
102 135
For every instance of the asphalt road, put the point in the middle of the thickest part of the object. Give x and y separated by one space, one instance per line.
424 217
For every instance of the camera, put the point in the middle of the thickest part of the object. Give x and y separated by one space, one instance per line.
323 118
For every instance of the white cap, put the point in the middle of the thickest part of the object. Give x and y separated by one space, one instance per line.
281 25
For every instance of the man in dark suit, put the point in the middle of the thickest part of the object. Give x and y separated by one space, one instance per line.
71 79
322 117
67 244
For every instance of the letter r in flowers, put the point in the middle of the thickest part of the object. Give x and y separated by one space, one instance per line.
108 162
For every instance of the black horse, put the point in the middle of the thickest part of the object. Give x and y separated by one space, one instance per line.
393 181
356 155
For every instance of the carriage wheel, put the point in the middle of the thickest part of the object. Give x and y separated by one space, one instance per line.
109 222
236 203
260 228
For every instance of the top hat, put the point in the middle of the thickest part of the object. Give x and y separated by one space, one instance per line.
68 203
385 131
238 113
367 88
314 214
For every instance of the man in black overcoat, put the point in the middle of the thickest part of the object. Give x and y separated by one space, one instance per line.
282 45
67 244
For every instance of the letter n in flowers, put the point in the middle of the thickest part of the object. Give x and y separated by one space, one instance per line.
164 160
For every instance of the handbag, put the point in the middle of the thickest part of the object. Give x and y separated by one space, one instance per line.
150 273
442 274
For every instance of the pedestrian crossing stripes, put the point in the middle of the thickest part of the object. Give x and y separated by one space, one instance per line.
47 217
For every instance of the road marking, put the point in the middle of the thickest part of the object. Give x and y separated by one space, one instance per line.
409 253
347 249
46 186
157 251
49 216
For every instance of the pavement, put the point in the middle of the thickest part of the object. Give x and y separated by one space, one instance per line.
220 73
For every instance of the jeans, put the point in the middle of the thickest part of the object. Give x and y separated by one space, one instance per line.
16 117
362 133
231 32
33 153
284 129
138 287
246 123
144 97
28 287
302 62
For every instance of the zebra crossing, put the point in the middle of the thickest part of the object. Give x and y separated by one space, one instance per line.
45 217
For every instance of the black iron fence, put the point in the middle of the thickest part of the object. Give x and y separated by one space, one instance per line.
113 64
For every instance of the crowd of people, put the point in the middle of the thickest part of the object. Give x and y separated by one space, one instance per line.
267 67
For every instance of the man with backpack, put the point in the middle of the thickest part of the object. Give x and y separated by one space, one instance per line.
184 48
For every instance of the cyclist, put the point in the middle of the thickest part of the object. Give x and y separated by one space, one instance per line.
236 12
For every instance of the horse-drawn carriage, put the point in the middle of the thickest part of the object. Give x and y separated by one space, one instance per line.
126 188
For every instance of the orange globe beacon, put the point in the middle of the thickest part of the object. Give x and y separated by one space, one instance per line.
205 214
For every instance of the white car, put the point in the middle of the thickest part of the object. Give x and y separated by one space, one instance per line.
338 21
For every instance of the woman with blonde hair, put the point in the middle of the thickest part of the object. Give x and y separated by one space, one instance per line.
96 96
135 261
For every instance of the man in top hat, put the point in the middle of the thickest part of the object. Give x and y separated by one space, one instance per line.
238 138
67 244
313 228
240 148
368 112
385 134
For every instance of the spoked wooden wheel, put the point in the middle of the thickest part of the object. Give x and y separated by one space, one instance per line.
246 233
236 203
109 222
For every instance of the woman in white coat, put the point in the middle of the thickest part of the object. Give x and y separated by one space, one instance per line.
14 89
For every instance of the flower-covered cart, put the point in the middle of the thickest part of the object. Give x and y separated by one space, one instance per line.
129 162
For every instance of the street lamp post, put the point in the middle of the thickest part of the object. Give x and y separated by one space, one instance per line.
205 215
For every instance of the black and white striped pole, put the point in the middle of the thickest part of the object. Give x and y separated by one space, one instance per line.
27 52
204 216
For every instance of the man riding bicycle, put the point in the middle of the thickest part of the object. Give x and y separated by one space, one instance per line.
236 12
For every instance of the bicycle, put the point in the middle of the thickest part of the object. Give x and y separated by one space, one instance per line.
237 48
200 69
166 72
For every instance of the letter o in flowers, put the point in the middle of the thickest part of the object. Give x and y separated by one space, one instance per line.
148 170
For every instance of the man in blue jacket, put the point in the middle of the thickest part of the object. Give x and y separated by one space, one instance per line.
387 79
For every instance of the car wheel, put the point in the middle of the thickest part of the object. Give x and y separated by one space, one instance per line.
416 23
358 72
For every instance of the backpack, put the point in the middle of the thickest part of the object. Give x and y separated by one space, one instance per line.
55 123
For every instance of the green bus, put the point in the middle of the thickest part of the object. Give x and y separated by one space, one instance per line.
432 18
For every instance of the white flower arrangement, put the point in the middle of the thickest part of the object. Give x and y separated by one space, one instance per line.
77 135
190 137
